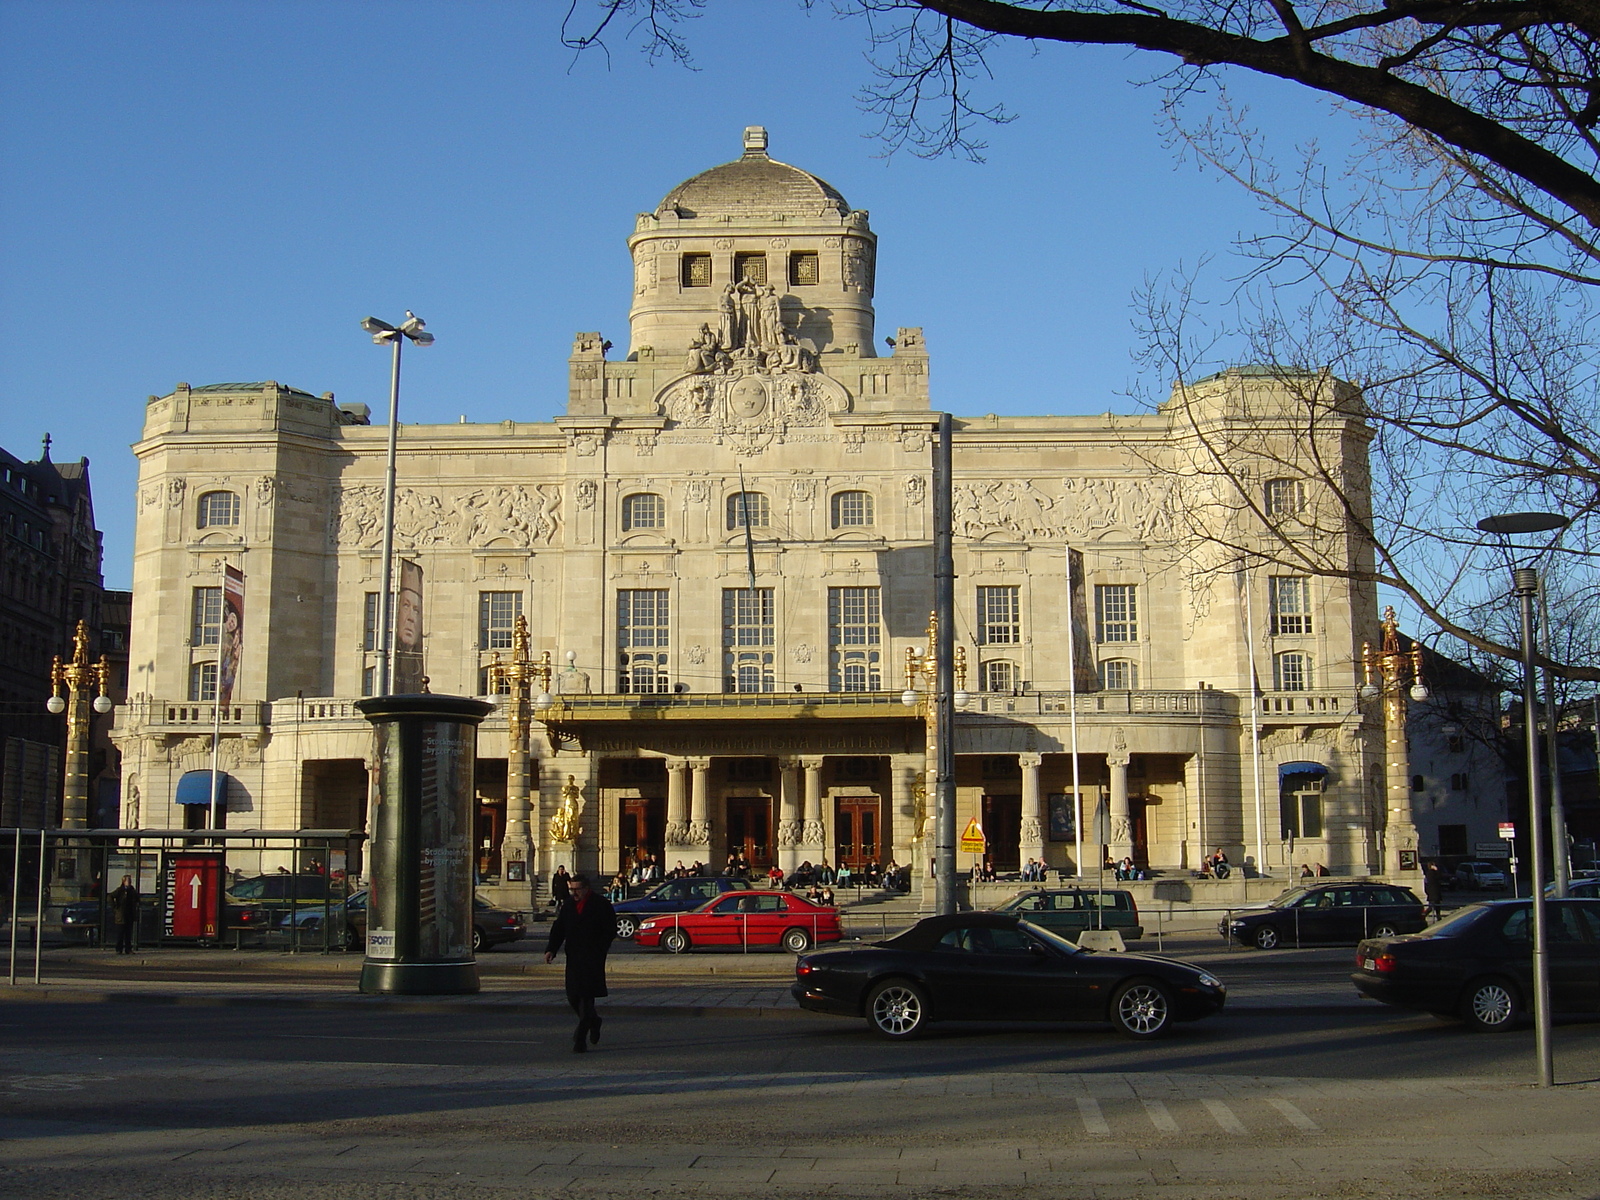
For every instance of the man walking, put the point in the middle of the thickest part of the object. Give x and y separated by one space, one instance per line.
586 926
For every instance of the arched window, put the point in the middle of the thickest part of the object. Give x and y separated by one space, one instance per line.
999 676
851 510
1119 675
1285 496
1291 671
643 510
218 508
753 504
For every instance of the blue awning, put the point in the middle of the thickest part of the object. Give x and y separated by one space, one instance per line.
195 788
1300 768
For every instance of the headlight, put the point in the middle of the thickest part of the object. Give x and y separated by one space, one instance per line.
648 925
1235 924
1209 980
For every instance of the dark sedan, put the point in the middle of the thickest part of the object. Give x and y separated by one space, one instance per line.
996 966
491 926
1330 912
1477 964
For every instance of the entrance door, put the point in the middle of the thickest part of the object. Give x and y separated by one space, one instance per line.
1138 810
1002 827
641 829
750 830
857 824
491 830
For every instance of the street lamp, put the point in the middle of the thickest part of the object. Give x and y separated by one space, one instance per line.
1399 675
77 677
517 678
939 759
1525 586
384 333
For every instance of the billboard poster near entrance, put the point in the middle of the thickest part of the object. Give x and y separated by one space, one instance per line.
192 896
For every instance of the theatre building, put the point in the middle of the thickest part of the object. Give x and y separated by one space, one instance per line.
724 544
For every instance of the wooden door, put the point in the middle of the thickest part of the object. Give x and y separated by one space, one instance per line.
750 830
1002 827
491 829
857 826
641 830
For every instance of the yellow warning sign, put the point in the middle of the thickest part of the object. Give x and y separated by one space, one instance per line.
972 840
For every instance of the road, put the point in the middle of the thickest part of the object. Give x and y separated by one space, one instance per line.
139 1100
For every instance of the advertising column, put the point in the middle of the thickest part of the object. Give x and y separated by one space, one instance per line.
419 899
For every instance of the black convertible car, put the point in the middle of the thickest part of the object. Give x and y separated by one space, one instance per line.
996 966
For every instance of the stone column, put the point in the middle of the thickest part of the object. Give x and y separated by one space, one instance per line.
1031 841
812 834
1120 843
700 808
517 844
677 841
790 827
1400 830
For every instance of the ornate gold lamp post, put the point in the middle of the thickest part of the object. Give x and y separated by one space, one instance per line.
516 679
923 665
78 677
1398 676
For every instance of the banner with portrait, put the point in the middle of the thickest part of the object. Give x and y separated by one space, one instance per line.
230 645
408 631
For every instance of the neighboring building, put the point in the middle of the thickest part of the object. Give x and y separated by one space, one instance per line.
702 712
49 580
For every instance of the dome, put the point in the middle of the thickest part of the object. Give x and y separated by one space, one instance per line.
754 186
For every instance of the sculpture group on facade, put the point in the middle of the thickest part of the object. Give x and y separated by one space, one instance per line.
750 333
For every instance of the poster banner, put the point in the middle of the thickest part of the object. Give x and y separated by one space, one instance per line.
230 649
192 896
1085 678
408 630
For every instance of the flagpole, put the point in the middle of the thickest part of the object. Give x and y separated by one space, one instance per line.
1255 719
1072 711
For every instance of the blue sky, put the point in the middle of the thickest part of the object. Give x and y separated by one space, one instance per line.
220 191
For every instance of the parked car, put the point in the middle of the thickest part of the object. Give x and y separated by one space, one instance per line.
675 895
1069 911
263 901
1332 912
747 919
997 966
1477 964
81 921
1480 877
491 926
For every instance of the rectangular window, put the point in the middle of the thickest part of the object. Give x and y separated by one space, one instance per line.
369 621
497 617
999 676
1116 612
643 636
805 268
854 638
1300 810
369 681
203 681
751 265
206 627
1285 496
696 270
1291 604
1119 675
1291 672
999 616
749 635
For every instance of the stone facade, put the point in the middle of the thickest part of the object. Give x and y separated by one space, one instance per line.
692 716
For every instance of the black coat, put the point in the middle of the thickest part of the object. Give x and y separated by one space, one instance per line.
124 905
587 938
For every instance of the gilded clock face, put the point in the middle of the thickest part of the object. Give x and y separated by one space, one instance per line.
747 398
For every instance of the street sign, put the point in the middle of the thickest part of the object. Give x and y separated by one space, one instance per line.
1508 830
972 840
1492 850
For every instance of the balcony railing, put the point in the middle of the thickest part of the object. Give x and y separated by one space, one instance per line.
1135 703
1307 704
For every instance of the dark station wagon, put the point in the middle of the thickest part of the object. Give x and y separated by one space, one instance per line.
1329 912
1070 911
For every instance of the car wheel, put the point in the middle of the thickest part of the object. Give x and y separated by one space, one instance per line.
479 942
675 941
1265 937
897 1009
1385 930
627 927
1491 1005
352 940
796 941
1141 1008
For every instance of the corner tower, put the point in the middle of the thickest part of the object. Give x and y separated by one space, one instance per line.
747 225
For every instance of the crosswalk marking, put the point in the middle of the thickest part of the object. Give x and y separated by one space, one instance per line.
1094 1121
1160 1117
1293 1115
1223 1116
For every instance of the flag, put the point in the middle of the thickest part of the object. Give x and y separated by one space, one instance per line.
230 649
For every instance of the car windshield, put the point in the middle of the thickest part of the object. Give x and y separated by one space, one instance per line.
1051 939
1292 896
1456 923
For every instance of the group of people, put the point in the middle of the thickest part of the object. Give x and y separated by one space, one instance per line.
1215 866
1307 871
1034 871
1125 869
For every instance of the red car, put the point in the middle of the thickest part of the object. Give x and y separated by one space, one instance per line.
744 919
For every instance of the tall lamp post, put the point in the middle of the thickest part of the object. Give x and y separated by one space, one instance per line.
1399 675
385 334
939 754
78 677
1525 586
517 678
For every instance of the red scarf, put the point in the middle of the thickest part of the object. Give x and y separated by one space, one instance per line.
578 902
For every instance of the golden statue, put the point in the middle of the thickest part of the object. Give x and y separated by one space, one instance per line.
564 825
